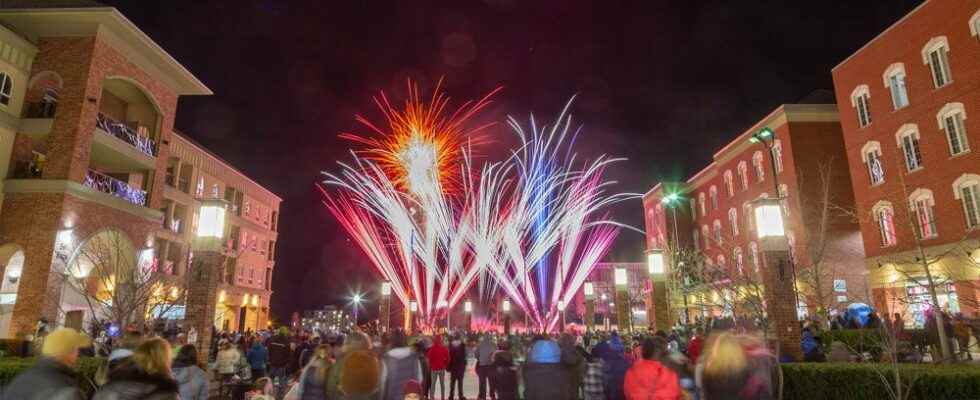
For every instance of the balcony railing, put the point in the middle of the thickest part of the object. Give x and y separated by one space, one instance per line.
127 134
115 187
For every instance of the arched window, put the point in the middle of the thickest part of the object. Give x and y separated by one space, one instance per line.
884 216
733 220
921 203
713 192
717 225
739 262
871 156
894 78
975 24
199 189
694 209
966 188
720 260
743 175
754 255
951 119
784 197
706 234
704 211
908 140
6 88
759 164
777 156
729 183
697 240
747 212
861 101
935 55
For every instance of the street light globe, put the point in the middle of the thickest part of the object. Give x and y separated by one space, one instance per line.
589 289
769 219
506 305
621 277
357 298
561 305
385 288
468 306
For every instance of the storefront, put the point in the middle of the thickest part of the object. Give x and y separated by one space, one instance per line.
919 300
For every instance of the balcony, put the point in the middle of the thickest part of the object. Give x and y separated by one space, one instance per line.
109 185
125 133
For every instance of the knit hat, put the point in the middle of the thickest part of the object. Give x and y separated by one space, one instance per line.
64 341
360 373
412 387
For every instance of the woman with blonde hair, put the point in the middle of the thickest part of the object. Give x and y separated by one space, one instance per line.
355 342
313 380
145 375
736 367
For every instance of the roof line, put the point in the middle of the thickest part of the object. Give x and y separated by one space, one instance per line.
201 147
900 20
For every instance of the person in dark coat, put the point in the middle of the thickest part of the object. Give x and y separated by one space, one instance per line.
145 376
573 361
258 359
545 378
399 365
505 374
280 355
52 377
615 365
457 367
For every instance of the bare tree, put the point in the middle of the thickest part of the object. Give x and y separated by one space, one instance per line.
120 284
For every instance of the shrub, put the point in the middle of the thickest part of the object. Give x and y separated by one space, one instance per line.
86 368
847 381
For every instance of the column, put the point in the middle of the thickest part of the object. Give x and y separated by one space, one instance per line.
780 297
660 317
590 313
202 298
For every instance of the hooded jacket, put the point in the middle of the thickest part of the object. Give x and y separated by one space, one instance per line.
484 352
279 352
192 380
48 379
505 375
650 380
615 364
128 382
438 355
399 365
457 357
258 356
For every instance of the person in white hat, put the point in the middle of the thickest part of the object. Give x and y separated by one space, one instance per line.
53 376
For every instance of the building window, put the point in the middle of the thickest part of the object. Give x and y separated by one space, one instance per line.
743 175
6 88
967 189
714 197
784 197
199 189
871 155
707 236
729 183
720 260
777 156
759 164
704 211
754 255
739 262
733 220
697 240
935 55
922 203
694 209
975 24
717 225
895 83
908 140
861 101
884 215
951 119
747 211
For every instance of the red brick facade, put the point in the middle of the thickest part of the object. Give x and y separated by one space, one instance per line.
923 110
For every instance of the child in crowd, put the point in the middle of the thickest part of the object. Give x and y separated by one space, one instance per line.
261 390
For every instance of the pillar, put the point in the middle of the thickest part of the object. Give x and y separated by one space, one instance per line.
624 315
660 319
589 314
385 313
780 296
202 298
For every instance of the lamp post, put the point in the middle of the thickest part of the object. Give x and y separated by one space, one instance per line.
624 317
468 308
506 307
671 201
443 304
589 291
561 309
356 301
386 305
413 307
779 284
207 264
657 314
768 138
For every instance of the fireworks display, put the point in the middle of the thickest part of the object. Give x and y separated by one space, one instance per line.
433 224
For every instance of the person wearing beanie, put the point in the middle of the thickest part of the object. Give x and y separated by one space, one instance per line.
359 376
52 377
546 378
412 391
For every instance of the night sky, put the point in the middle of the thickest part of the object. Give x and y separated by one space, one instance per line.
664 85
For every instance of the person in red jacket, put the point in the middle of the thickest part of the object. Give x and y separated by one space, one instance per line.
694 345
438 356
648 379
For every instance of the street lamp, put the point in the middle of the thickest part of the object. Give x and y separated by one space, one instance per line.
206 267
468 308
623 317
782 298
356 301
413 308
506 307
561 309
589 291
658 310
767 137
386 305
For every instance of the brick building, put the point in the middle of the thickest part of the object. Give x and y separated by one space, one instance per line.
602 278
87 104
904 99
712 218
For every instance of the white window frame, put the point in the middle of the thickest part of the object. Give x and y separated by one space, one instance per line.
754 254
758 162
922 204
777 155
743 175
716 231
885 226
861 101
704 211
957 112
941 45
697 239
784 197
706 235
871 164
897 71
966 189
747 211
713 193
739 259
6 88
911 131
694 208
729 183
733 219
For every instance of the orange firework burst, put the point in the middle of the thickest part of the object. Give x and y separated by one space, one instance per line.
422 147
